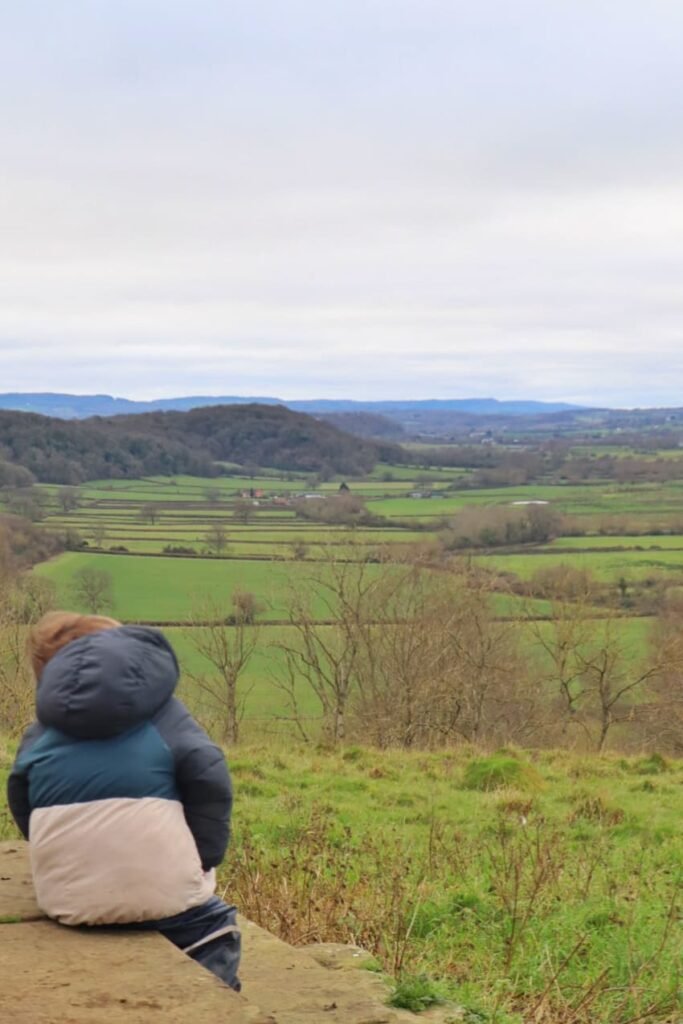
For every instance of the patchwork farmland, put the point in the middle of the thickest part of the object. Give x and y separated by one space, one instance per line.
170 546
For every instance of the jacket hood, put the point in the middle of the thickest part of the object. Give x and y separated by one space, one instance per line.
105 683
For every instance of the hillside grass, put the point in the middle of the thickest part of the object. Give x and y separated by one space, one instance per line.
547 901
549 897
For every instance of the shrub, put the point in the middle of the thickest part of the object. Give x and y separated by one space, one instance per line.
415 992
652 765
592 807
499 771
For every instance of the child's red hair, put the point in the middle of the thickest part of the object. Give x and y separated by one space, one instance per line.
57 629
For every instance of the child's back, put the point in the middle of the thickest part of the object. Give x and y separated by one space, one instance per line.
125 800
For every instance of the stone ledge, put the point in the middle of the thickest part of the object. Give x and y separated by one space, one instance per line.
17 899
56 975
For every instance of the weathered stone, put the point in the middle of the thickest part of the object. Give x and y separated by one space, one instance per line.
337 955
56 975
296 987
17 899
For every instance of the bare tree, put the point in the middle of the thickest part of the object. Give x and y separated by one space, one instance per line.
399 656
228 648
326 649
243 510
662 712
22 602
98 534
299 551
587 661
246 606
212 495
27 503
68 498
438 667
149 513
216 538
481 691
406 655
613 677
92 587
561 642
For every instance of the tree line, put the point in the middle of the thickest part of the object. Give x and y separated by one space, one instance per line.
399 655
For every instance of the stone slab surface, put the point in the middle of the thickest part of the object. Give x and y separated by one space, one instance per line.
324 985
17 899
56 975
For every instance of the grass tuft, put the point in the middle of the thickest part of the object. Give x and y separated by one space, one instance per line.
595 808
655 764
416 992
500 771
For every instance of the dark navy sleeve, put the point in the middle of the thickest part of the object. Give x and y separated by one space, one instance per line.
17 783
202 778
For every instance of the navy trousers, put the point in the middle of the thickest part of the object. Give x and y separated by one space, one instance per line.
209 934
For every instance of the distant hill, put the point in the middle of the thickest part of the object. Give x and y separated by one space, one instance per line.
195 442
66 406
365 424
473 406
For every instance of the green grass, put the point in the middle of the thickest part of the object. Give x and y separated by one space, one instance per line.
546 906
635 541
620 452
652 502
168 589
500 771
607 566
391 850
415 992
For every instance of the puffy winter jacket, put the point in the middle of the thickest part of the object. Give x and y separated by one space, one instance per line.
123 797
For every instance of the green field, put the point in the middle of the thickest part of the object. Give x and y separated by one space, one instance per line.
647 542
606 566
171 589
261 551
523 889
274 550
649 501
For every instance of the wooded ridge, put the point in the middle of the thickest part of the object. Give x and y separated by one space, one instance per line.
194 442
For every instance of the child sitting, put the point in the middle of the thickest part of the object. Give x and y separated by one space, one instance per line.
123 798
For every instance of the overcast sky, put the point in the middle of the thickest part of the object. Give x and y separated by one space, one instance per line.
343 198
